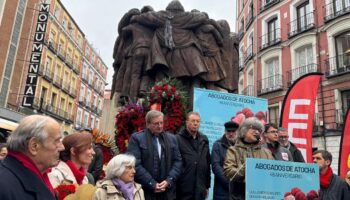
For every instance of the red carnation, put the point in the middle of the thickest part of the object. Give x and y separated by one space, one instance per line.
295 191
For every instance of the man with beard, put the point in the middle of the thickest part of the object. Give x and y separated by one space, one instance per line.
221 183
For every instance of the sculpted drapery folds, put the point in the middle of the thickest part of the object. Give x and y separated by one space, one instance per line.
174 43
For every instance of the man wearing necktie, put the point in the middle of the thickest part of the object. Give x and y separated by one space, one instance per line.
158 160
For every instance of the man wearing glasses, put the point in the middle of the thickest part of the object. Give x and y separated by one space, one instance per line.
194 180
271 143
283 139
158 160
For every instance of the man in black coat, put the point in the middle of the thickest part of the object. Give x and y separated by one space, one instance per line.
283 139
33 148
158 160
194 180
218 154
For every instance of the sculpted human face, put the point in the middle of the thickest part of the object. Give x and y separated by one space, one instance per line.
128 174
271 135
156 125
193 123
47 153
85 157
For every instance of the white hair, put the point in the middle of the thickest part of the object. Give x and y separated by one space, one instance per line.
30 127
116 166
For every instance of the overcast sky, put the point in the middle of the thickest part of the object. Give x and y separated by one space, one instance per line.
98 19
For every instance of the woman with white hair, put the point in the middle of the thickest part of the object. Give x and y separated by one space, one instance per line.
247 146
119 181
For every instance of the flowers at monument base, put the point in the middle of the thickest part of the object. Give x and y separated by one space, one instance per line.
64 190
297 194
171 101
129 120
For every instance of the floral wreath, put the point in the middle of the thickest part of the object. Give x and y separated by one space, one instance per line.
171 102
130 119
107 143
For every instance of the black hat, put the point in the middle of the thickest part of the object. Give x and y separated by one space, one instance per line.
231 126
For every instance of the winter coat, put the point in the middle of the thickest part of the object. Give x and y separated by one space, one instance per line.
145 167
281 153
18 182
234 165
296 154
62 174
221 183
107 191
338 189
195 177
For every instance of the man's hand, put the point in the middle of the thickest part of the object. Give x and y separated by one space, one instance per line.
161 187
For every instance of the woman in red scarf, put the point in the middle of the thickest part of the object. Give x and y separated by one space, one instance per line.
75 159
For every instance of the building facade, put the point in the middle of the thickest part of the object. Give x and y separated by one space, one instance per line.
44 65
281 40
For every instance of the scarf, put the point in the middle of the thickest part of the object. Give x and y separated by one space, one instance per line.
325 179
273 146
79 174
127 189
30 165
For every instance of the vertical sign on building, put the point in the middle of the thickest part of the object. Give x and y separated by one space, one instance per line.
34 63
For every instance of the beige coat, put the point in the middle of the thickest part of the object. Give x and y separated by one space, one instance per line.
234 165
107 191
62 174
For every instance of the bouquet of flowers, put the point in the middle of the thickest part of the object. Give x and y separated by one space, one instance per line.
64 190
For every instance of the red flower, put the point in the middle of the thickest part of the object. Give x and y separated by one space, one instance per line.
64 190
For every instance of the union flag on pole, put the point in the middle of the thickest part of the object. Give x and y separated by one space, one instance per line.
298 112
344 152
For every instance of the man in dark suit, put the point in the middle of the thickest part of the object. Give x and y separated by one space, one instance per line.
158 160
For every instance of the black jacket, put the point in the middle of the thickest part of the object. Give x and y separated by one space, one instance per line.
221 183
195 177
139 147
18 182
296 154
338 189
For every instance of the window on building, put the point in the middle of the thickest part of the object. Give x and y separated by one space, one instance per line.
48 62
271 78
86 120
274 115
53 99
52 37
43 94
92 122
304 16
62 104
70 107
340 5
57 12
272 31
78 120
345 95
304 62
97 125
342 43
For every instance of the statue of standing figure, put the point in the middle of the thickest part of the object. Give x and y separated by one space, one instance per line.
189 46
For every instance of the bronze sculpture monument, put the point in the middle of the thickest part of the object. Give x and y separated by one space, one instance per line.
189 46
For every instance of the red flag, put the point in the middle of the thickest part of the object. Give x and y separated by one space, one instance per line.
344 152
298 111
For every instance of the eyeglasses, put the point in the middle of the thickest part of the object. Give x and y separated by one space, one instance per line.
283 137
274 132
255 129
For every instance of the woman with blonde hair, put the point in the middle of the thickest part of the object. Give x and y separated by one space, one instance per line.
74 160
119 181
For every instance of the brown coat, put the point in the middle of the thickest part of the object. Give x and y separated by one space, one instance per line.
107 191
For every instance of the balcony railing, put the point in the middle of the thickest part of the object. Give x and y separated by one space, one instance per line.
265 4
248 54
85 77
99 112
61 54
72 92
269 39
301 24
82 100
338 65
270 84
52 45
248 91
241 63
57 81
76 67
69 61
336 8
249 19
46 73
88 104
297 72
65 86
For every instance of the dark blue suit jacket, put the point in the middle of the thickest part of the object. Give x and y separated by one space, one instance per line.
19 183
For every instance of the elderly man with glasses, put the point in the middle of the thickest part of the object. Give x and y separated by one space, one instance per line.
284 141
247 146
271 143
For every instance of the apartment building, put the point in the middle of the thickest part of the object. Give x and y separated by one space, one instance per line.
281 40
44 63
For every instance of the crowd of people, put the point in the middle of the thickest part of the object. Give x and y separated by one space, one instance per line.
157 166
